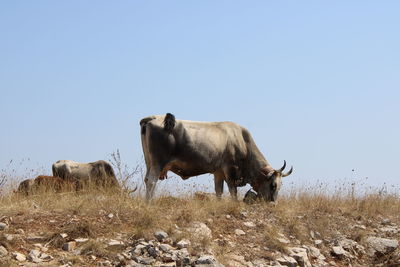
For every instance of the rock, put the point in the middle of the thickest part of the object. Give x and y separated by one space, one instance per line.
144 260
283 240
138 249
160 235
228 216
386 222
389 230
64 235
312 234
316 253
239 232
287 261
166 248
381 246
200 230
20 231
69 246
110 216
152 251
351 246
249 224
34 256
206 259
339 252
168 257
236 260
184 243
81 240
45 257
115 244
300 255
36 239
318 243
3 251
19 256
3 226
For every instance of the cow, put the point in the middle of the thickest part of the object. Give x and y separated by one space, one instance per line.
190 148
99 173
43 183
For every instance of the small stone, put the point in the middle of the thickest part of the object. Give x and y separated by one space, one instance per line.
110 216
249 224
69 246
228 216
19 256
3 251
34 256
81 240
152 251
36 239
239 232
3 226
206 259
287 261
20 231
316 253
312 234
386 221
184 243
339 252
115 243
63 235
160 235
165 247
283 240
200 230
45 257
138 249
300 255
318 243
244 214
381 246
145 260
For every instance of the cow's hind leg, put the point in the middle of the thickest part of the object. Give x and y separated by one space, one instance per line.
219 184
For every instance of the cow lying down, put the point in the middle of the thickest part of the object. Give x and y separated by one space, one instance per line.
43 184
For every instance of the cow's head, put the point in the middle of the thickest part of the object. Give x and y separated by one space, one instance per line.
270 181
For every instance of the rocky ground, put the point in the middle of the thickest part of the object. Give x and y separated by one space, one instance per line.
232 234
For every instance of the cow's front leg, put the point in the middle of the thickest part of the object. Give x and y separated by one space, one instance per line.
232 190
152 176
219 184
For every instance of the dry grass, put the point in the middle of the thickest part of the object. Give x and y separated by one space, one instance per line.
87 214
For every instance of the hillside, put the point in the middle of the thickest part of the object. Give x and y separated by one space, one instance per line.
114 229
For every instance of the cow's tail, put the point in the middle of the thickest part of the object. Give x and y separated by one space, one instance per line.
169 122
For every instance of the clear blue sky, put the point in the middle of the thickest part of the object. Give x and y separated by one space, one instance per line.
316 82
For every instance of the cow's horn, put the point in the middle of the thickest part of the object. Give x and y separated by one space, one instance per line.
283 167
288 173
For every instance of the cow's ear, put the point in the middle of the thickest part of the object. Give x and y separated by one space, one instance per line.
267 173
